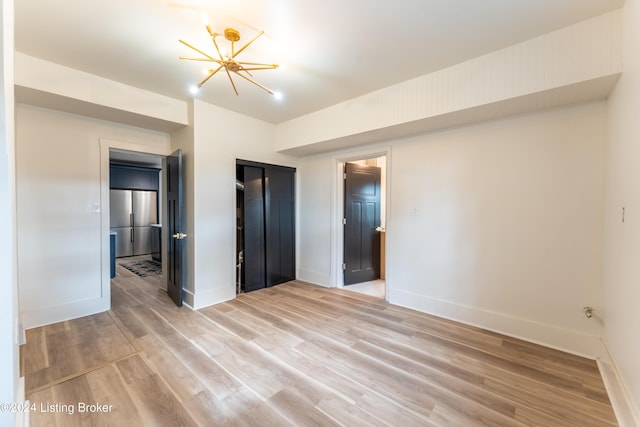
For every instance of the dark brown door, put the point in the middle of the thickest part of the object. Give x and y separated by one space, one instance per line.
254 246
176 267
279 225
361 217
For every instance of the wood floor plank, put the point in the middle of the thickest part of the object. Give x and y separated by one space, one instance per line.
37 417
555 406
71 395
108 388
212 375
189 389
34 355
444 384
535 394
343 413
298 411
71 347
155 402
500 362
299 355
409 395
246 409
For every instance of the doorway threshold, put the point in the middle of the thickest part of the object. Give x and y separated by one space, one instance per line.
374 288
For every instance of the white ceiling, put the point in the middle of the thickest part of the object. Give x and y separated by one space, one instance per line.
333 50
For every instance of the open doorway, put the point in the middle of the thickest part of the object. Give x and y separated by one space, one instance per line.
135 216
362 208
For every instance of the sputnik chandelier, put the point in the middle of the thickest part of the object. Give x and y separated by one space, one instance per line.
227 61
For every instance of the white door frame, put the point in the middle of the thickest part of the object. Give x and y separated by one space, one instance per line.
337 212
105 147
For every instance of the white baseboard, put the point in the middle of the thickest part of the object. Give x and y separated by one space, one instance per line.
626 414
212 296
22 417
60 313
539 333
187 298
314 277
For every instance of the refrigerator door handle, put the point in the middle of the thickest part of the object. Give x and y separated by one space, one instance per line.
133 230
131 219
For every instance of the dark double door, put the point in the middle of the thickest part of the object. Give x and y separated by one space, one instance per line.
266 232
361 220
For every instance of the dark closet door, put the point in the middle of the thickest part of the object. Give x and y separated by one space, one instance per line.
254 243
279 225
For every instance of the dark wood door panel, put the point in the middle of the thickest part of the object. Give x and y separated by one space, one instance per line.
362 216
254 229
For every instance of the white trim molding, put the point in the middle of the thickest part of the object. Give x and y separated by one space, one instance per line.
566 340
623 407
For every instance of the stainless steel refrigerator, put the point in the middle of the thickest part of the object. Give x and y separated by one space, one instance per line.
131 214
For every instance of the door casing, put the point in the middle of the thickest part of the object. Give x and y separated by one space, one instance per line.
106 145
337 210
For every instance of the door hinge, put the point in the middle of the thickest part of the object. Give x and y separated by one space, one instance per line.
344 266
344 221
344 175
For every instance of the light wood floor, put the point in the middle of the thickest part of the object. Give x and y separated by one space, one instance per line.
302 355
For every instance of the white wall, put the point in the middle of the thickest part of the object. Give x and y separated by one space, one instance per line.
622 243
60 238
59 182
497 224
49 85
316 201
220 138
9 361
500 225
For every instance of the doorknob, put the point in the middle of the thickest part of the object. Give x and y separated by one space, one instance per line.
179 236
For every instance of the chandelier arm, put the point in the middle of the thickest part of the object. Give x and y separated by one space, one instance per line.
217 61
231 80
211 73
255 83
262 64
225 63
215 43
197 50
247 45
259 68
241 68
